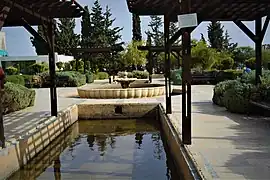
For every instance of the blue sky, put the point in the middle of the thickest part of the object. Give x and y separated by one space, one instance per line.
18 42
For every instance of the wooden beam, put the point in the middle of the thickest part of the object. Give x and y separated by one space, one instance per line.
3 15
32 31
26 10
265 26
245 29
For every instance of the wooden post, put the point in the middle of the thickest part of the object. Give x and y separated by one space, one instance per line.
167 65
258 50
3 15
53 92
2 131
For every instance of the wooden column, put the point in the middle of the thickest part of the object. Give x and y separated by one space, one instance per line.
258 50
2 130
3 15
167 65
53 93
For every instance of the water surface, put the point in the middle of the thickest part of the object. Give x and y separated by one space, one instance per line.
108 149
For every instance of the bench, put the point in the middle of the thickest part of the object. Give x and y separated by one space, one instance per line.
263 105
261 108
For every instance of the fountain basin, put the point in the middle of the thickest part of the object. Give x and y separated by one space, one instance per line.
114 91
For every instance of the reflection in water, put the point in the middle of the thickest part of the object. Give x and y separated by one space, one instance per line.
91 140
57 169
139 139
156 139
136 152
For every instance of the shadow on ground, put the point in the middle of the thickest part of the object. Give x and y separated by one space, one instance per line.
250 137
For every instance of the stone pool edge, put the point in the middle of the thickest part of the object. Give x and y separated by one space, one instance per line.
181 156
19 152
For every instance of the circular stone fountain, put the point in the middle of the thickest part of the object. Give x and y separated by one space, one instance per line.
115 91
125 90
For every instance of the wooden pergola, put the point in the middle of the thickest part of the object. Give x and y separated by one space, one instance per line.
207 10
28 13
154 51
82 52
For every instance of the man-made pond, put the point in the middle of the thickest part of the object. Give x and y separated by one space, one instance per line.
104 149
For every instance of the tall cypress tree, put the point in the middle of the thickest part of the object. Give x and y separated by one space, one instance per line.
112 33
67 39
86 29
86 34
97 20
215 35
155 31
113 36
41 48
173 29
136 30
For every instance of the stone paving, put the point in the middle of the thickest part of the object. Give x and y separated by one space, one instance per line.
224 145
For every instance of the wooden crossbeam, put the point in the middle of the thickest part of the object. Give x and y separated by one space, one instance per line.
246 30
265 26
3 15
28 11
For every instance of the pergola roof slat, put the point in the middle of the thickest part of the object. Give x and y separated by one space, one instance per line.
223 10
35 12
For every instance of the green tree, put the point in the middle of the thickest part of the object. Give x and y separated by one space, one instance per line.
227 45
86 34
202 56
155 31
241 54
113 37
67 39
98 23
136 30
215 35
133 56
41 48
265 57
173 30
202 38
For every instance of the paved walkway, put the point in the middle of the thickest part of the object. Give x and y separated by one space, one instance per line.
225 146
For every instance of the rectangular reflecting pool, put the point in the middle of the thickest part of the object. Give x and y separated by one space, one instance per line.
104 149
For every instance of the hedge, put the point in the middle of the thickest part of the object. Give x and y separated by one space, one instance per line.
236 95
176 76
135 74
17 97
101 75
90 77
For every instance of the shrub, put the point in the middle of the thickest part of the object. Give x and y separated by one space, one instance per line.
237 97
251 62
64 79
140 74
17 97
102 75
32 81
60 65
228 75
122 74
220 89
11 70
16 79
38 68
70 79
155 76
89 77
176 76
